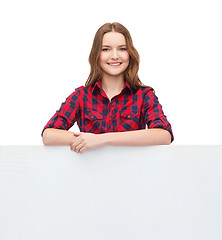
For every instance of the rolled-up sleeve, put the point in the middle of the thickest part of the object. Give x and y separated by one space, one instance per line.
153 113
67 115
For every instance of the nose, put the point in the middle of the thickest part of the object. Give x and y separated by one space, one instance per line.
114 54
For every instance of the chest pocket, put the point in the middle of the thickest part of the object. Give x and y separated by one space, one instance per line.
93 122
129 120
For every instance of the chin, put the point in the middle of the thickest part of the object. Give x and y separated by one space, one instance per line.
114 73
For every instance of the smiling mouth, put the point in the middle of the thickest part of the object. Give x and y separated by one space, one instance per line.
114 64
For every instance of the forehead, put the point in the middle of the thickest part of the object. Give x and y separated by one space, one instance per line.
113 38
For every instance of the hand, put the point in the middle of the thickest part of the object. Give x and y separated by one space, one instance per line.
85 141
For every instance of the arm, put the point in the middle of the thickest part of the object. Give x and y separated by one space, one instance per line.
52 136
145 137
56 131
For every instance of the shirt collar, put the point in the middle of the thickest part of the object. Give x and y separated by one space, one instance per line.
127 85
98 84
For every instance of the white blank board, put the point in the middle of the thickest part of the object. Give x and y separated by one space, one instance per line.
114 193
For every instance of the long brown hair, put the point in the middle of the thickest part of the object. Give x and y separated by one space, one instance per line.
131 73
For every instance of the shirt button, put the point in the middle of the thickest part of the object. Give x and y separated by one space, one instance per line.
128 116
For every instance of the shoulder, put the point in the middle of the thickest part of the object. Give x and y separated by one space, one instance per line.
76 94
148 95
145 91
80 93
84 90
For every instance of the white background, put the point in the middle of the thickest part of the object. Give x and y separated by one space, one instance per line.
44 49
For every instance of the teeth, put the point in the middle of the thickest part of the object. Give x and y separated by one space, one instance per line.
114 64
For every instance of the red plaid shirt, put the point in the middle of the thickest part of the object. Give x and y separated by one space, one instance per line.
95 113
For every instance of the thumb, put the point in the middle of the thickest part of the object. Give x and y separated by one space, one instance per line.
77 134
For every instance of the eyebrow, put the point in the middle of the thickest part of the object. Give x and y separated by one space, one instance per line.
118 46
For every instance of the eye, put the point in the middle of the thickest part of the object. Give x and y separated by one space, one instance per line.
105 49
123 49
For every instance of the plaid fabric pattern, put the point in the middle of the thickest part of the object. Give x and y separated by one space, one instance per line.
95 113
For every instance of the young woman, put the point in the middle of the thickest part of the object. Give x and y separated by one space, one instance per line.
114 107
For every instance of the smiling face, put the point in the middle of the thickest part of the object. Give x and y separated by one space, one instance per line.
114 57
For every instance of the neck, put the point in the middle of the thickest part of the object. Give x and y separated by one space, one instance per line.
112 84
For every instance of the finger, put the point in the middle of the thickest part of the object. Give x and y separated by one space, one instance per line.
76 142
73 148
74 145
79 147
82 149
